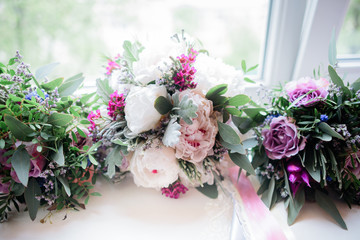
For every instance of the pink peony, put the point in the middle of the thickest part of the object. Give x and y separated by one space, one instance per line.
303 86
197 140
353 168
281 140
37 161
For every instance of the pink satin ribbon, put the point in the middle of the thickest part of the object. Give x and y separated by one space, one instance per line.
260 220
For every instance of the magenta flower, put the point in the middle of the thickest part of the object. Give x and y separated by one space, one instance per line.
314 91
297 175
91 117
116 105
112 65
281 140
174 190
185 75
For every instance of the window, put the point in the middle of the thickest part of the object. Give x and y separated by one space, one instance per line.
78 33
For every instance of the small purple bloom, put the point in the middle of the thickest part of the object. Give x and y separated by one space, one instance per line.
311 91
281 140
324 118
297 175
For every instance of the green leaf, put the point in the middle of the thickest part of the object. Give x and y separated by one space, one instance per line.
85 121
40 93
163 105
113 159
20 130
119 142
250 142
228 134
65 184
337 80
209 190
95 194
20 161
59 156
327 129
81 132
246 79
258 159
44 71
239 100
12 61
60 119
233 148
30 193
50 86
253 68
256 114
243 162
325 203
295 205
18 189
323 137
356 85
233 111
131 51
243 66
93 160
2 143
70 85
86 200
103 89
86 97
268 194
332 48
244 124
216 91
310 159
74 137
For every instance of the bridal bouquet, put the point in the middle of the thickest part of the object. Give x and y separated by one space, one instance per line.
309 145
163 123
45 155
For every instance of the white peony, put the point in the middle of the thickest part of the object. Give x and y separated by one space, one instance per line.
156 167
155 58
140 113
213 71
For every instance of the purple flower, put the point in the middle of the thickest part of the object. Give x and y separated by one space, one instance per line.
281 140
4 187
297 175
314 91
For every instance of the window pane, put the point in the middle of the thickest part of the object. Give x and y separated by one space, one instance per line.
348 44
79 33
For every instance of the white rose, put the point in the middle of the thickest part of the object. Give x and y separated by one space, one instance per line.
140 112
156 167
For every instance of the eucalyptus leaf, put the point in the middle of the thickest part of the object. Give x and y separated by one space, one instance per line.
256 114
332 48
326 203
59 156
44 71
163 105
70 85
30 193
20 161
50 86
246 79
233 148
216 91
228 134
18 129
243 162
233 111
250 142
93 160
323 126
323 137
65 184
296 205
244 124
356 85
60 119
209 190
267 195
337 80
310 159
238 100
103 89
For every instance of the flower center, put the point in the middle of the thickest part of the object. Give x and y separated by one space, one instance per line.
154 171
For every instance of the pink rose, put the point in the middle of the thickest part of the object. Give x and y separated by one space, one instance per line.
303 86
197 140
37 161
354 169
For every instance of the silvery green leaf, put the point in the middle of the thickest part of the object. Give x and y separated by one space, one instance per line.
172 133
113 159
44 71
20 161
332 49
186 108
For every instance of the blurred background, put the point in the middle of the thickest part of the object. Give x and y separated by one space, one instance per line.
80 33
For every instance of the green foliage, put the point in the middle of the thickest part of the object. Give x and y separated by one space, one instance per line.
103 89
30 193
228 134
185 108
209 190
20 161
163 105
